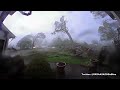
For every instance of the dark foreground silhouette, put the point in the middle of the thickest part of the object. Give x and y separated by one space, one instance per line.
14 67
11 68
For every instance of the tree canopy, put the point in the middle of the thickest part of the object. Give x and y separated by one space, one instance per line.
29 41
61 27
25 42
108 31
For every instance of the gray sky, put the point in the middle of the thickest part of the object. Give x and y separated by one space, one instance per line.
81 24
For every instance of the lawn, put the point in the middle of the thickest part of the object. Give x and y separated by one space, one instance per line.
60 57
66 57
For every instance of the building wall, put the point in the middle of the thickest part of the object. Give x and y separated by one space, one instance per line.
5 34
1 46
2 35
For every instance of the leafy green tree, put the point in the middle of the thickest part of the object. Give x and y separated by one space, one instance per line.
29 41
25 43
99 14
38 38
108 31
57 42
61 27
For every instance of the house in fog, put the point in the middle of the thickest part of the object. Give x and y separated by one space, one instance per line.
5 35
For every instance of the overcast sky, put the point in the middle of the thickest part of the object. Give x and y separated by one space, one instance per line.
81 24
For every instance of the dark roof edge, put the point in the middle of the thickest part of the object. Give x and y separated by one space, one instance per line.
4 27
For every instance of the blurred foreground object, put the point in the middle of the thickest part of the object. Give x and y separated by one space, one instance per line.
5 33
114 15
4 14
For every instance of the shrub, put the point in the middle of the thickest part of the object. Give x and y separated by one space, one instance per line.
11 67
78 50
17 67
38 68
4 66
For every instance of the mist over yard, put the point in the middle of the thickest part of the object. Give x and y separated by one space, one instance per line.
64 44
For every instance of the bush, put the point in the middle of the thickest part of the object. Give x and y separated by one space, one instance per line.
78 50
4 66
38 68
11 67
17 67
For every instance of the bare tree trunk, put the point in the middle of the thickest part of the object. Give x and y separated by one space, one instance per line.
69 36
34 40
72 43
33 44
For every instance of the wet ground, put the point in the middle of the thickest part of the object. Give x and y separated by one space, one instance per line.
72 71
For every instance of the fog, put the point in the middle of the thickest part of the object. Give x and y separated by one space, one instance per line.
81 24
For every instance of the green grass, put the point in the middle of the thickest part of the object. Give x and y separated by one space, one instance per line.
66 57
61 57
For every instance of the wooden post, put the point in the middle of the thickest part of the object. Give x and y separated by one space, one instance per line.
116 16
5 43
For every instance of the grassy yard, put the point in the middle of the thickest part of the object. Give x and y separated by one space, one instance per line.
66 57
60 57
